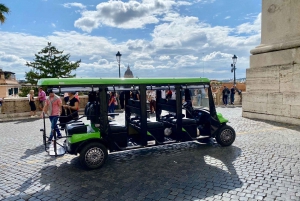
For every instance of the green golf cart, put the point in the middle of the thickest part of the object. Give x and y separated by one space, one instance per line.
188 114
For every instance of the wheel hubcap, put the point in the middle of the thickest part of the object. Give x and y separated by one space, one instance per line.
226 136
94 156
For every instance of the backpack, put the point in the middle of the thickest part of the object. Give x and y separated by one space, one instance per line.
227 92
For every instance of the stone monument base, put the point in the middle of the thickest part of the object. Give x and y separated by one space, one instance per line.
273 86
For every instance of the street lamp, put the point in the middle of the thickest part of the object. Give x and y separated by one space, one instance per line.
118 56
234 59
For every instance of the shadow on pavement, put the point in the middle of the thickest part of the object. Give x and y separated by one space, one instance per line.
35 151
20 121
188 170
278 124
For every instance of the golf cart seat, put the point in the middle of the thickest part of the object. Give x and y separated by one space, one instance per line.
189 128
119 134
117 128
76 129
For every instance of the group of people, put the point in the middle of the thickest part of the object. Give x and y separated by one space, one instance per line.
41 98
62 112
228 95
113 102
134 95
53 107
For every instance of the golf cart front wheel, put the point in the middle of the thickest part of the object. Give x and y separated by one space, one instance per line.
93 156
226 136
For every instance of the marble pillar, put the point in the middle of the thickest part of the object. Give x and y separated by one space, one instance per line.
273 79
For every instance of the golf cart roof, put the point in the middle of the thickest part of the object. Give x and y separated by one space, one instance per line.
119 81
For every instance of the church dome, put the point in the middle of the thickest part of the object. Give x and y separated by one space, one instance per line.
128 73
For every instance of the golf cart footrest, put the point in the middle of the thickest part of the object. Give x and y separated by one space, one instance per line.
202 137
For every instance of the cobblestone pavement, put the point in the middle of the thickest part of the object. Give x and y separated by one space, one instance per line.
262 164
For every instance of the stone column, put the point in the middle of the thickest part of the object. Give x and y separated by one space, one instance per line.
273 79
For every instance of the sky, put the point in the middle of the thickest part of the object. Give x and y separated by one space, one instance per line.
157 38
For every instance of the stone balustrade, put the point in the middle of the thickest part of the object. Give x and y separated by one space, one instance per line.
19 107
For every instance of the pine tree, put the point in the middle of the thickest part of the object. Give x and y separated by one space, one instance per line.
3 10
50 63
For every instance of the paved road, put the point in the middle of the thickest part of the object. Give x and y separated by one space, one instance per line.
262 164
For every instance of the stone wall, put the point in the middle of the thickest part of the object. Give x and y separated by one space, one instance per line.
19 107
273 93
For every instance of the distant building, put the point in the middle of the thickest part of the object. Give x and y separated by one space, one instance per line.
9 86
128 73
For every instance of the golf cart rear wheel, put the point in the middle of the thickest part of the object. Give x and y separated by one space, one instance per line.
93 155
226 136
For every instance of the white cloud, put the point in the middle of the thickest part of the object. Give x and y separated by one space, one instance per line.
227 17
74 4
139 56
127 15
53 25
204 1
217 56
175 42
185 61
164 57
249 27
142 65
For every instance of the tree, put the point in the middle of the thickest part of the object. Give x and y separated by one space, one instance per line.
3 10
50 63
24 91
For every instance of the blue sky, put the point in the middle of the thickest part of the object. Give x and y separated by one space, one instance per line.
157 38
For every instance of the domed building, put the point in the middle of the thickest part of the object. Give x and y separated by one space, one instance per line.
128 73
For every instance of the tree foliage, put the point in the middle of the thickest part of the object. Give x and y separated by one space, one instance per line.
50 63
25 90
3 10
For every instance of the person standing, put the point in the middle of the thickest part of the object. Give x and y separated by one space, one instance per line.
32 104
135 95
42 98
232 92
225 94
152 101
71 107
111 103
169 94
53 107
122 99
198 94
1 104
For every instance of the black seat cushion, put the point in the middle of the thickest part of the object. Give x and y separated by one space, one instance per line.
155 124
134 103
186 121
116 128
76 129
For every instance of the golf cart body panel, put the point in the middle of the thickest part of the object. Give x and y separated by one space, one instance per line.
221 118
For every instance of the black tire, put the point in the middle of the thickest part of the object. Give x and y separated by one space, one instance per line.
93 156
225 136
